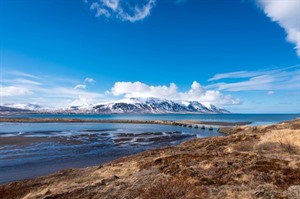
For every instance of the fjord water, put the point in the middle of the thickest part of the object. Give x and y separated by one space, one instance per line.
43 148
48 147
256 119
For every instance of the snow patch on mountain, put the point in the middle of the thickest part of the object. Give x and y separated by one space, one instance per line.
155 105
128 105
26 106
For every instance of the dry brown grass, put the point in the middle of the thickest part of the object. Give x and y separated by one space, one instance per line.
238 195
244 146
286 140
174 188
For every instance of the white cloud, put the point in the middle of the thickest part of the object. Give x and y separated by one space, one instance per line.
89 80
245 74
132 11
20 81
22 74
19 87
99 10
277 79
62 97
262 82
196 93
139 89
9 91
287 14
239 74
112 4
86 81
80 86
271 93
26 81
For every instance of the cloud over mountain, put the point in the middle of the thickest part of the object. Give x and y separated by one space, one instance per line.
195 93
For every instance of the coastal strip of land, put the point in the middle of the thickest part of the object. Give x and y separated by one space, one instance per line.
250 162
162 122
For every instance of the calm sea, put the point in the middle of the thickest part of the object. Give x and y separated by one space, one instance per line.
256 119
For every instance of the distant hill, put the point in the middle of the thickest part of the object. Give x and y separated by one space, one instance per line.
129 105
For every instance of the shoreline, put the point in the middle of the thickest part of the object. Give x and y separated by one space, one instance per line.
249 162
161 122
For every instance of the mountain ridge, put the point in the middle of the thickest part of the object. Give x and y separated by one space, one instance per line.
128 105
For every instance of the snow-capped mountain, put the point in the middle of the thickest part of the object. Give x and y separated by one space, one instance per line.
130 105
155 105
25 106
5 109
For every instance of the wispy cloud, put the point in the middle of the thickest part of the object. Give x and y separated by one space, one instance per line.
21 81
196 93
245 74
10 91
16 86
86 81
135 10
287 14
26 81
89 80
238 74
51 92
22 74
80 86
271 93
277 79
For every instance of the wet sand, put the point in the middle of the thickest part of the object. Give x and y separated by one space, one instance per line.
22 141
34 153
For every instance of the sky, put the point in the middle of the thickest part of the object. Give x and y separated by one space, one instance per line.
242 55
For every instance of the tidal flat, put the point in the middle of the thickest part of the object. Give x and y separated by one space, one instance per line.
250 162
30 150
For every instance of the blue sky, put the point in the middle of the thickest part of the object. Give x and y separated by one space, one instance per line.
241 55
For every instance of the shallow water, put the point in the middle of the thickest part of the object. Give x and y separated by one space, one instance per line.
66 145
35 149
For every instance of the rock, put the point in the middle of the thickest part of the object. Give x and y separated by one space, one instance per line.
293 192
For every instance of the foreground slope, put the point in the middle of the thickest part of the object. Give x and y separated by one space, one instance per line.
251 162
